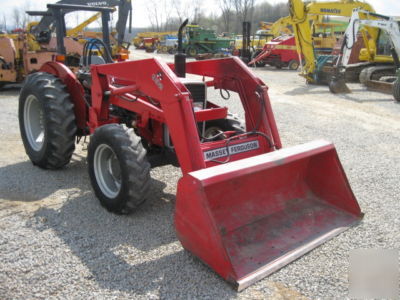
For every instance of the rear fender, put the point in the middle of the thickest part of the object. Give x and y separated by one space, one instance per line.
74 88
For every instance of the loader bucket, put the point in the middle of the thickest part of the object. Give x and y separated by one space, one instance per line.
248 218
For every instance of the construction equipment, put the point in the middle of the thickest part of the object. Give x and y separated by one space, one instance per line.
25 52
78 30
82 35
200 40
42 30
300 13
168 44
279 52
139 40
280 27
266 32
245 206
246 51
388 24
324 37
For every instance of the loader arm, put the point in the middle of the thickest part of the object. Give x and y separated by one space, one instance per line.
244 206
301 13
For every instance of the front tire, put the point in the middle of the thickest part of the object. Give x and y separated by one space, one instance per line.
191 51
47 121
293 65
118 168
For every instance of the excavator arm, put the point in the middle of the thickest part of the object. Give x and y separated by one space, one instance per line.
74 31
302 12
281 26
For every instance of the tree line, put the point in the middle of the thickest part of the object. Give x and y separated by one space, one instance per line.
167 15
229 17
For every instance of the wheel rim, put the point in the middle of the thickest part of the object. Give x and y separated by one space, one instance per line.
214 131
34 123
107 170
294 65
192 52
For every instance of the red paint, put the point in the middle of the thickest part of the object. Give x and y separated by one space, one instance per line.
252 215
278 52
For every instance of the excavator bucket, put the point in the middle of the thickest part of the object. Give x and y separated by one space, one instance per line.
338 85
248 218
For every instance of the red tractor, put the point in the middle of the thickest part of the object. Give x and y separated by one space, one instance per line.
245 206
280 52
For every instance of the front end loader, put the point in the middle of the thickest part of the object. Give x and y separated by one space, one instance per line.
245 206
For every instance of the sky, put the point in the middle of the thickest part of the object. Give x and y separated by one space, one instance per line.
140 7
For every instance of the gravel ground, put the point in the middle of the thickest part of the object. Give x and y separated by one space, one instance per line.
56 241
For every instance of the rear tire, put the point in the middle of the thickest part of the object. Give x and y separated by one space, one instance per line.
293 65
396 90
47 121
118 168
231 123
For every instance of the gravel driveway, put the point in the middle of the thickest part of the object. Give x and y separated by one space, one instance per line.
56 241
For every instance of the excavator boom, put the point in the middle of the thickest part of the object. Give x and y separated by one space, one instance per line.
301 12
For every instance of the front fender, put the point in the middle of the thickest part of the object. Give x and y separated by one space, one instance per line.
75 89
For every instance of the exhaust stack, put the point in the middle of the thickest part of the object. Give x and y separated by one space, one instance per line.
180 57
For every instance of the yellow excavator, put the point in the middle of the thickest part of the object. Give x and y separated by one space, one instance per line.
280 27
380 77
77 30
300 14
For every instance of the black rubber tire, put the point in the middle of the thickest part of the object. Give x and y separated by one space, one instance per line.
230 123
396 90
59 120
293 65
133 163
191 51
